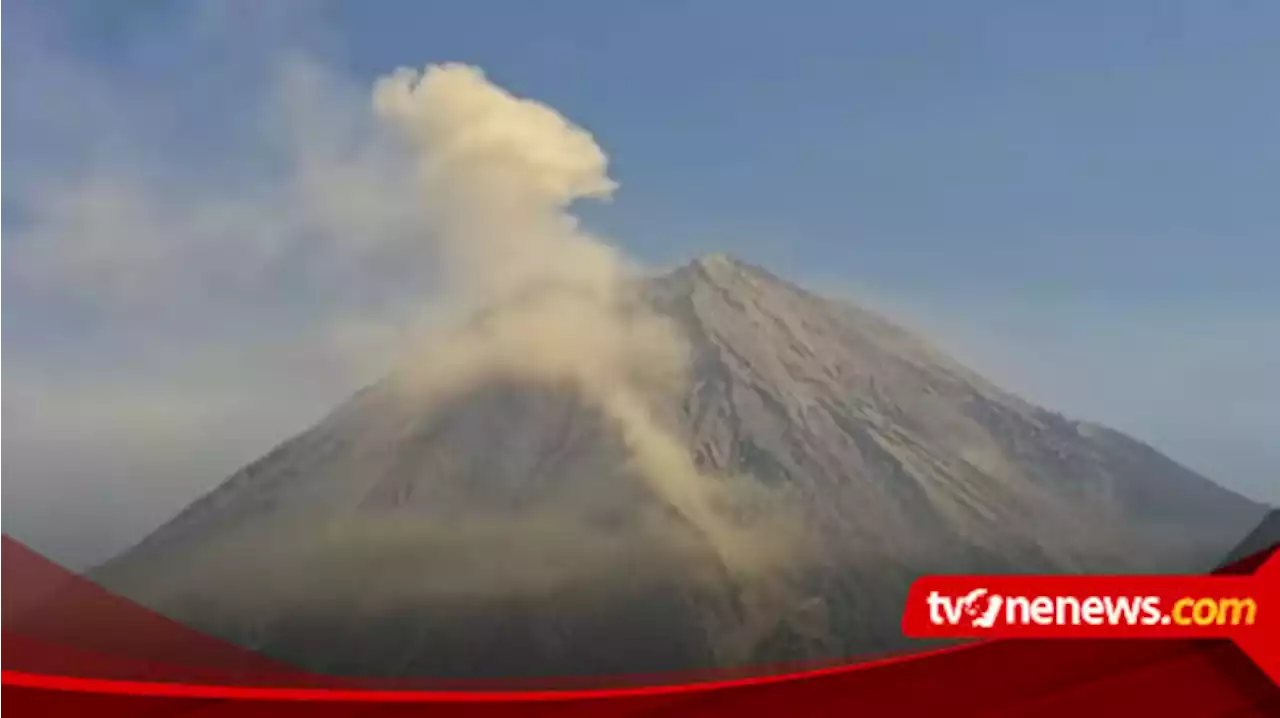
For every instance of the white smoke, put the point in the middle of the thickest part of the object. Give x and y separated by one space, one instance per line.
497 175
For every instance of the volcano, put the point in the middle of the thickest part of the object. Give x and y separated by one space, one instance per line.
504 531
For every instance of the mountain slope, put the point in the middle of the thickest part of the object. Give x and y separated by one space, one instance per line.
506 531
861 414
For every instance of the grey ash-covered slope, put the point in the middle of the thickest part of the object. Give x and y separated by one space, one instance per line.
904 451
504 533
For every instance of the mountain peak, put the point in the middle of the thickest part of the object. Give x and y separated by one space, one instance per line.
717 259
718 268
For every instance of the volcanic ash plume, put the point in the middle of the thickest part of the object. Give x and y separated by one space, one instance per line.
497 175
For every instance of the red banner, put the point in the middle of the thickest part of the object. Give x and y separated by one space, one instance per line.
1245 609
71 648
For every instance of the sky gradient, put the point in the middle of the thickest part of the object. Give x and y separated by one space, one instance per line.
1081 201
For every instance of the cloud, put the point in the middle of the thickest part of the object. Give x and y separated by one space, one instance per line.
180 291
324 218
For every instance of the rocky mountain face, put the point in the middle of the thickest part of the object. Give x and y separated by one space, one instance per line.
506 532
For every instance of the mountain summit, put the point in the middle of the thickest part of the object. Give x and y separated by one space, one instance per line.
515 528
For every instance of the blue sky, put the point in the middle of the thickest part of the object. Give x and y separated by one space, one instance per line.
1080 199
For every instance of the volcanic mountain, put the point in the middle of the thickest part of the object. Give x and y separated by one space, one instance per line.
504 531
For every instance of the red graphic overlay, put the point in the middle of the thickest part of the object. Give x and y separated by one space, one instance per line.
73 648
1245 609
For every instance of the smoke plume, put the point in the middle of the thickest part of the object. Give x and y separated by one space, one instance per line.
497 175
